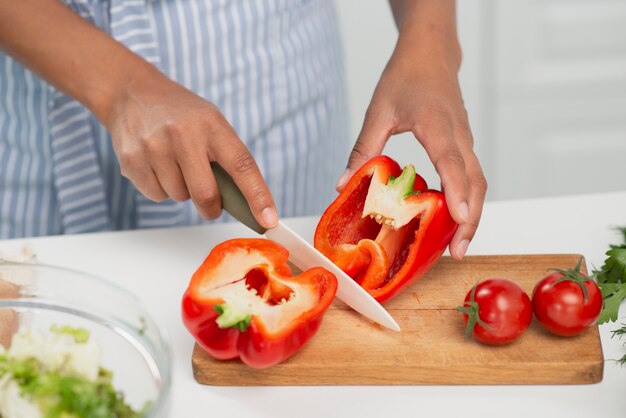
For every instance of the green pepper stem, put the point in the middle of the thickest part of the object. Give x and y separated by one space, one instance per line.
403 184
228 317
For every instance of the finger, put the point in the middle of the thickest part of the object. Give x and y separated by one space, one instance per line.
370 143
171 179
434 131
136 168
235 158
201 185
477 193
145 180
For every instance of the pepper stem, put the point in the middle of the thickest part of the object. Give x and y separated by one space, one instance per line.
228 317
386 200
403 184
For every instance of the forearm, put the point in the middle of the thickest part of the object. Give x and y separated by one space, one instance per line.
428 28
47 37
419 92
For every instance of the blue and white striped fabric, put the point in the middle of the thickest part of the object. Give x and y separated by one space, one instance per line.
273 67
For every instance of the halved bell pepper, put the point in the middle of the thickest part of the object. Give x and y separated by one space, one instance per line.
385 229
243 302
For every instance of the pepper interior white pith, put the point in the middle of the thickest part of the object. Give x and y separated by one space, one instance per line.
386 201
228 282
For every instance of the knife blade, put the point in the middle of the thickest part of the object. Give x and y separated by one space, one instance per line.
302 254
305 256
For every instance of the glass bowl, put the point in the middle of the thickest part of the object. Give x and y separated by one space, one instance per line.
132 347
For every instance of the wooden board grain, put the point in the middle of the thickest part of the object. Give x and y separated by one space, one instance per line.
430 349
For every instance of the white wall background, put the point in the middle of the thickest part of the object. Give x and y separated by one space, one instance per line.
544 83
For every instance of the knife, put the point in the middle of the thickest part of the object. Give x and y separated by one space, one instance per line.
302 254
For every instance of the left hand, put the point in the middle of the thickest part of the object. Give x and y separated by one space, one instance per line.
419 92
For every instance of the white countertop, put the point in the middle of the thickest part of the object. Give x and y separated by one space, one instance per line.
157 264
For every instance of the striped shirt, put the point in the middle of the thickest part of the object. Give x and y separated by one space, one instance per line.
273 67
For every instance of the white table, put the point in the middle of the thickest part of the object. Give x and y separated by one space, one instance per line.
157 264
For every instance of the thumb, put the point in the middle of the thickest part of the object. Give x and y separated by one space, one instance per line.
370 143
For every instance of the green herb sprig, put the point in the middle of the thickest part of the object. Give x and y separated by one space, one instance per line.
620 332
612 280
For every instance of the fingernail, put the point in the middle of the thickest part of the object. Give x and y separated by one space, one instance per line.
270 217
464 211
462 248
343 179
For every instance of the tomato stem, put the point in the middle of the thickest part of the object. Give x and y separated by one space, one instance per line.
574 275
470 308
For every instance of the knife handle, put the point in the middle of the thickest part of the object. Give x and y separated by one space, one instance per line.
233 201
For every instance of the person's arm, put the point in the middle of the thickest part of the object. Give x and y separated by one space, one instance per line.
164 135
419 92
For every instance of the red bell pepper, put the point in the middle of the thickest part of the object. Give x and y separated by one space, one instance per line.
243 302
385 229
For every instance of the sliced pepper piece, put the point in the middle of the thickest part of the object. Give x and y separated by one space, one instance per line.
386 229
242 302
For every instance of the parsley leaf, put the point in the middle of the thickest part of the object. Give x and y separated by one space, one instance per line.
612 280
613 295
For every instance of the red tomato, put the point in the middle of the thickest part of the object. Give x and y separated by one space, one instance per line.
497 311
563 308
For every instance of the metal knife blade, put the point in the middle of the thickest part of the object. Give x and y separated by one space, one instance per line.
302 254
305 256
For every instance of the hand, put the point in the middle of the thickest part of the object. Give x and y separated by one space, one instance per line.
165 138
164 135
420 93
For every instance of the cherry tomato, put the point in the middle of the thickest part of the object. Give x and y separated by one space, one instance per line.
497 311
567 302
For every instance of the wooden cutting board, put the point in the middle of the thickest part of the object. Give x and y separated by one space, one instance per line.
430 349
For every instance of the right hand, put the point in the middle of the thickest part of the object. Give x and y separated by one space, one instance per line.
165 137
